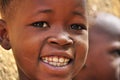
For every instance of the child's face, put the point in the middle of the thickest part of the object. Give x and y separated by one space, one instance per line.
49 38
104 50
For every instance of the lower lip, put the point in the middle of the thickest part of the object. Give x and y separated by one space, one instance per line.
57 70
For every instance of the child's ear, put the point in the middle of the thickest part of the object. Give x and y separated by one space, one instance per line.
4 40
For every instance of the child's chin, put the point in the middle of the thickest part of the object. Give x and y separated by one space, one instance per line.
54 78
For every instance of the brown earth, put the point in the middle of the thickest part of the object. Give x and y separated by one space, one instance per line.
8 70
110 6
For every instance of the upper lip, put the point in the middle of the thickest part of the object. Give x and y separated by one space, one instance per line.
65 54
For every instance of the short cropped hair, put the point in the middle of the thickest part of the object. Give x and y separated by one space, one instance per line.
5 7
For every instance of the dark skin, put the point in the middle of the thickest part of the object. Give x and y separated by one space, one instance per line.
104 49
49 39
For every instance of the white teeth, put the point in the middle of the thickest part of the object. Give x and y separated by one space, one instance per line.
66 60
46 58
51 63
50 59
56 61
61 60
65 63
58 64
46 61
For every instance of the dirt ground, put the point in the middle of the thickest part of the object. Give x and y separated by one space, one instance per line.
110 6
8 70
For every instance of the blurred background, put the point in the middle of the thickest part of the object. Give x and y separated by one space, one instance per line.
110 6
8 70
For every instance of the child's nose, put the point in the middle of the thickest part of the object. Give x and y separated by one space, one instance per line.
61 40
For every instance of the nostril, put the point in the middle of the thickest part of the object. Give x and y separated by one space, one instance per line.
53 42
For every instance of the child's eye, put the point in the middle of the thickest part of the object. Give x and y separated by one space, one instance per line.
41 24
78 26
115 53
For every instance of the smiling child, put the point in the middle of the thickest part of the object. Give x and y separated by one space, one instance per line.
49 38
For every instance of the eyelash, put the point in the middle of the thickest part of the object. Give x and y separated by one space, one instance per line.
40 24
78 27
116 52
44 24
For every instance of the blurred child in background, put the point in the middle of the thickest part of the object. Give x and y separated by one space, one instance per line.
103 61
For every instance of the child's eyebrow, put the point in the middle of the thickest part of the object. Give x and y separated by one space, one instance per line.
50 11
45 11
79 14
42 11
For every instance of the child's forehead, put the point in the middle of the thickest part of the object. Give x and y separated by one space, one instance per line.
9 6
106 29
49 3
41 1
109 26
54 5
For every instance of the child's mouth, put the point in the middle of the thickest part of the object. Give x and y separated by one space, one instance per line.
56 61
